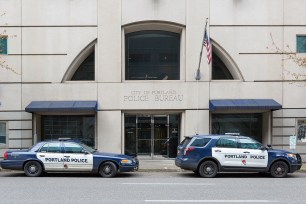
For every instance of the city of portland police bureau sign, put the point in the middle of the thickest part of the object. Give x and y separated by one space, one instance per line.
154 96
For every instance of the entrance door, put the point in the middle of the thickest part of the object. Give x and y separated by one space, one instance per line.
153 136
144 135
160 135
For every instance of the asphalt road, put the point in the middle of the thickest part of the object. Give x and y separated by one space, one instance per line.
152 187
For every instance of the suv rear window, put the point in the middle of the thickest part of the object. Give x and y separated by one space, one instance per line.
200 142
185 142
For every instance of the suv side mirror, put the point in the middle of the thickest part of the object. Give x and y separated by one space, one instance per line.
263 148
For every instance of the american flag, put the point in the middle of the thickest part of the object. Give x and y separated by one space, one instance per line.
207 45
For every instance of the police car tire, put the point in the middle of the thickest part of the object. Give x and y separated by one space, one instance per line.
208 169
33 169
279 169
108 170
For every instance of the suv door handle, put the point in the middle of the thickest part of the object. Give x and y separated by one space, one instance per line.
67 156
246 152
217 150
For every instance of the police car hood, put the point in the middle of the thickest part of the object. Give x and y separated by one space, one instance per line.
278 151
107 154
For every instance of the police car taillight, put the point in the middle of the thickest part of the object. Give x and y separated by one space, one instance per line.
5 156
189 149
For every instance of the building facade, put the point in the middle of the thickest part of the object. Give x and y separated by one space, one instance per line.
120 74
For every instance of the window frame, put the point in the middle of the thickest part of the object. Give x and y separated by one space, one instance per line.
297 130
152 31
3 145
4 37
297 46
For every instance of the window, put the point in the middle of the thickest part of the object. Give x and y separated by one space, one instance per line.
86 71
73 148
227 143
51 147
200 142
2 133
219 69
301 44
249 124
301 130
152 55
3 44
247 143
81 128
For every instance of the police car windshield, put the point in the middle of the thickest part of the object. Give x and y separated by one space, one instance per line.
89 149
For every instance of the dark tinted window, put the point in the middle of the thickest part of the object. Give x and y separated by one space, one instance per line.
185 142
53 147
200 142
86 71
219 69
152 55
247 143
3 44
227 143
73 148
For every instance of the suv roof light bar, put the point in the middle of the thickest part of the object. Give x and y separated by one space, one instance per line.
232 133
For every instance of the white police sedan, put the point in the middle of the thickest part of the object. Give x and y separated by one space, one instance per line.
67 156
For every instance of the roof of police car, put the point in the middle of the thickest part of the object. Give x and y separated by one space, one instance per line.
218 136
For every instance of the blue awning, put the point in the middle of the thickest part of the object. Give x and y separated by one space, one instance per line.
244 104
62 106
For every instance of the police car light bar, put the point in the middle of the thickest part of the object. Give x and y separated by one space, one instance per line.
232 133
64 139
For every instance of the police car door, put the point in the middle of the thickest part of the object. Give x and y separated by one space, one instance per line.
226 152
76 158
255 156
51 156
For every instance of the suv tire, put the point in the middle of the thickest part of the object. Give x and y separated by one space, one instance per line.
279 169
208 169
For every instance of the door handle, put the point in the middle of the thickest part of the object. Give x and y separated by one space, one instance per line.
217 150
246 152
67 156
42 155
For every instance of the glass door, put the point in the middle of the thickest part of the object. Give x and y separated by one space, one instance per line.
152 136
144 135
160 135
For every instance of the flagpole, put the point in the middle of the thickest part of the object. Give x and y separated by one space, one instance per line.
198 74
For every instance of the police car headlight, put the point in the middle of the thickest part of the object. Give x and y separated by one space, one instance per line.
291 155
126 161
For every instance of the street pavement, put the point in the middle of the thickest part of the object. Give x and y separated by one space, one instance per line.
152 187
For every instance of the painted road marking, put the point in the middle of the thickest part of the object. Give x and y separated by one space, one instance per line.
211 201
177 184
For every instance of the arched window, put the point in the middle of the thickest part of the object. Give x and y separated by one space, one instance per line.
86 70
223 66
219 69
82 68
152 55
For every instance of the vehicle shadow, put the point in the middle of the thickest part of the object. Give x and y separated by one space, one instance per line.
66 174
237 175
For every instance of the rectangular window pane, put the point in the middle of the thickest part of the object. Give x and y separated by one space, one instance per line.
3 133
245 124
80 128
152 55
3 44
301 44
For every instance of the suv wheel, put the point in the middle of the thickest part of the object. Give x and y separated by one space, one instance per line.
279 169
208 169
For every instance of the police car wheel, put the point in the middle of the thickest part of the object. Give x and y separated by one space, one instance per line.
208 169
32 168
108 170
279 169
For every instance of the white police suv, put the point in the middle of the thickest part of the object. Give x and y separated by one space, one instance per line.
207 155
66 155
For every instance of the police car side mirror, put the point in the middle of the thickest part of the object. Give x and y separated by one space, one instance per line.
263 148
84 152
